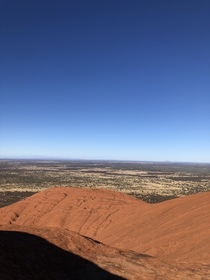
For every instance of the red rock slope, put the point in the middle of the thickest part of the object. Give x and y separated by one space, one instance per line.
59 254
177 230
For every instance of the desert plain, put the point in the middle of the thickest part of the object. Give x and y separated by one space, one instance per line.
150 181
104 220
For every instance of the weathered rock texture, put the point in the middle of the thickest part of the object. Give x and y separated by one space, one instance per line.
105 235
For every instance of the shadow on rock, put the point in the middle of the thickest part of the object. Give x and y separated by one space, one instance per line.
27 256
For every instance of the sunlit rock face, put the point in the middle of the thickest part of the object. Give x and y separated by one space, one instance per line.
105 234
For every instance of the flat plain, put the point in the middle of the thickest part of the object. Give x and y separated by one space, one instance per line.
150 181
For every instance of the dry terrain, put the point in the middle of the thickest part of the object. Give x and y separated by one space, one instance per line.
150 181
79 233
117 220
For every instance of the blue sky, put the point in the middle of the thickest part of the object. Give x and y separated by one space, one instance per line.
122 80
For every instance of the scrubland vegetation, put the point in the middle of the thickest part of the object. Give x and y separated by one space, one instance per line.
150 181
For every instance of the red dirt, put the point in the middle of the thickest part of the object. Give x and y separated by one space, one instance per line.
174 231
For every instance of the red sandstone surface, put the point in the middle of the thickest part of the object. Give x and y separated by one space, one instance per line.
113 231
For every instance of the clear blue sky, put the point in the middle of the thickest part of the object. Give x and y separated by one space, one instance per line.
114 79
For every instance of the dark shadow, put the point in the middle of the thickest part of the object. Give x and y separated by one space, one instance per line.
26 256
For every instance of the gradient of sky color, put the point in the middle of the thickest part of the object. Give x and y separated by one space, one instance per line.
114 79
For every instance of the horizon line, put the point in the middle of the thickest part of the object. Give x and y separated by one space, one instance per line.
104 160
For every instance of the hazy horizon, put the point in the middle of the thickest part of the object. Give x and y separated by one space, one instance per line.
48 158
113 80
